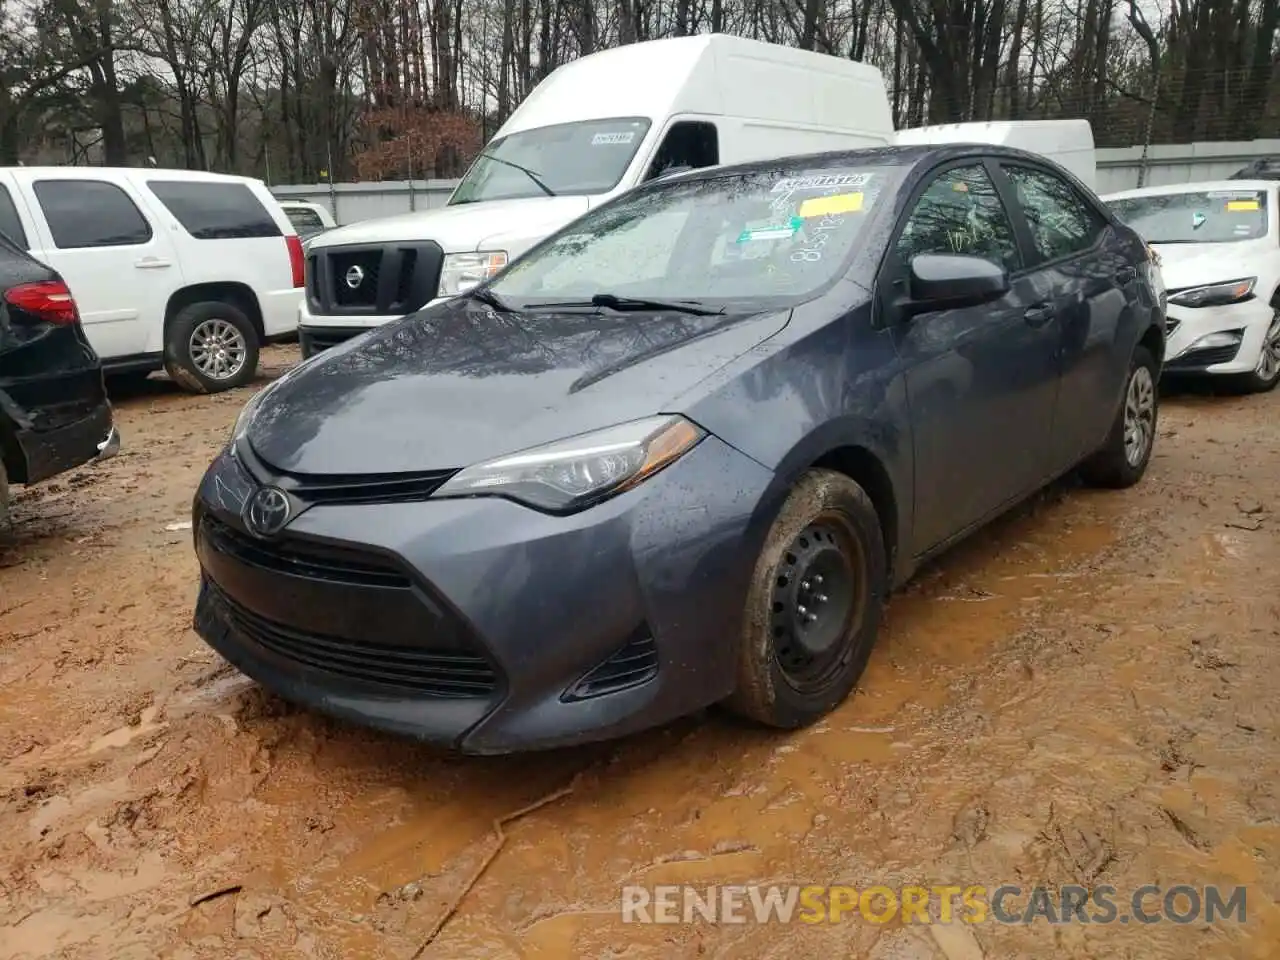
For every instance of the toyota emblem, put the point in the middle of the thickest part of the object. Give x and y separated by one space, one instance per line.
267 512
355 277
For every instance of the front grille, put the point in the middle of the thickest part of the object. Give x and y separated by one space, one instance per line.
357 488
346 267
423 671
634 664
303 558
1197 359
397 278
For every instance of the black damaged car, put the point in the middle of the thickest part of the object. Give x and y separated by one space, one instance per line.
54 412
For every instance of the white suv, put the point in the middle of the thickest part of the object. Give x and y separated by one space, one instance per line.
170 268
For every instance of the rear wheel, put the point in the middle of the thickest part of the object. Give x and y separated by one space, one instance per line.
210 347
1266 374
1124 457
813 608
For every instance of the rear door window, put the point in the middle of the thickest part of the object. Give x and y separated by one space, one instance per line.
10 222
215 211
90 213
1061 222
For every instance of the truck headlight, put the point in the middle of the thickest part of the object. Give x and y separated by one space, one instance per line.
568 475
461 272
1215 294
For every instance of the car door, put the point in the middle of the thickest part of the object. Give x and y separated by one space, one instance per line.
114 254
1093 285
980 380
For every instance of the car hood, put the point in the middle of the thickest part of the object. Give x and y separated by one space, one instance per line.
462 227
1197 264
460 383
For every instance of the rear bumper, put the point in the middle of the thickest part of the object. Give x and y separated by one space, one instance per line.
50 452
280 310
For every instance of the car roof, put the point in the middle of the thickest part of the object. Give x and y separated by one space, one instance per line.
904 156
76 173
1201 186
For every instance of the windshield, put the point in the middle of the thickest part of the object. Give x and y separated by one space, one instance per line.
1213 216
565 159
778 234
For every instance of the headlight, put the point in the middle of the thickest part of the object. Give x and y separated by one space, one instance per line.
1217 294
461 272
570 474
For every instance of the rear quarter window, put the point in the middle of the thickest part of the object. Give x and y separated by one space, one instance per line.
215 211
10 222
90 213
304 220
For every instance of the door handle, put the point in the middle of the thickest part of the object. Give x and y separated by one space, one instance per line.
1126 275
152 263
1039 315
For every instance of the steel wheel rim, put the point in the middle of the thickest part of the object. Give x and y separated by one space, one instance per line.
818 595
218 349
1269 360
1139 415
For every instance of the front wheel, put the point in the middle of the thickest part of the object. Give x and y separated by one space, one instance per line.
813 608
1124 457
1266 374
210 347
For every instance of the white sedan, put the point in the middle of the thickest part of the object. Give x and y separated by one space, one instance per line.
1220 255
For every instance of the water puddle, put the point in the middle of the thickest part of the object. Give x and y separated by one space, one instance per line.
123 736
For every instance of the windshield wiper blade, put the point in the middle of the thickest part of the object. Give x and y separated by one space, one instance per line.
615 302
525 170
485 295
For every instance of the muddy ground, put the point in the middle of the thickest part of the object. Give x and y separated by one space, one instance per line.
1085 692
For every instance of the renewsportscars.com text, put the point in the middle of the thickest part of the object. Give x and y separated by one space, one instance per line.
972 904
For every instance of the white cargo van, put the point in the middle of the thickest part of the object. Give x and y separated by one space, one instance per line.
1068 143
592 129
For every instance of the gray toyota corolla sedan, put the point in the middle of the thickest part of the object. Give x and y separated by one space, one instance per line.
678 453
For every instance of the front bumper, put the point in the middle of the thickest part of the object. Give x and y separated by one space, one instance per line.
482 624
50 452
1187 327
317 333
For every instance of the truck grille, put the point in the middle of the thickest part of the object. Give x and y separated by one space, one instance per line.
391 279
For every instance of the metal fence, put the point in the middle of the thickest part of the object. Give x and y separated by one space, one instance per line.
1118 169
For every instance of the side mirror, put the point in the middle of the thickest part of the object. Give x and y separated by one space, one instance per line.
939 281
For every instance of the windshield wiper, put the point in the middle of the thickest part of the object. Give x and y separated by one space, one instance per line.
525 170
615 302
485 295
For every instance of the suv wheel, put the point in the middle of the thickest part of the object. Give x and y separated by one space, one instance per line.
1124 457
210 347
813 608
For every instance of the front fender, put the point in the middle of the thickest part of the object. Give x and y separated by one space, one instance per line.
805 394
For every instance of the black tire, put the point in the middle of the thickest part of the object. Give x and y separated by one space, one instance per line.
215 319
782 681
1265 377
1117 465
